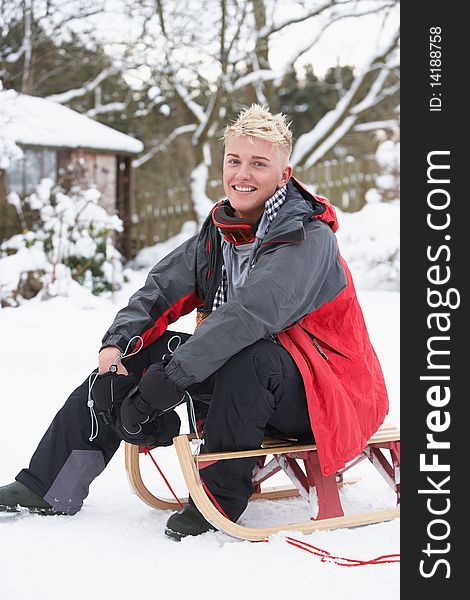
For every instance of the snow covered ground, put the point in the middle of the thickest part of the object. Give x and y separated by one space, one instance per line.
115 547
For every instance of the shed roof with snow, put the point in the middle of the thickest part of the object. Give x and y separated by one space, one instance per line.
33 121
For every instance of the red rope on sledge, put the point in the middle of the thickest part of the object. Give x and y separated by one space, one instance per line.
148 453
340 560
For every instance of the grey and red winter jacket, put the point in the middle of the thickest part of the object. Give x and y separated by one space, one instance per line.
299 288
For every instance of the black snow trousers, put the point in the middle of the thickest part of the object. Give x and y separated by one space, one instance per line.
69 456
258 391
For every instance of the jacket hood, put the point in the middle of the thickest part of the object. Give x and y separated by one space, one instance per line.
299 207
326 213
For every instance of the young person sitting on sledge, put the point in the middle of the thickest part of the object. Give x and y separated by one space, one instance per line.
283 348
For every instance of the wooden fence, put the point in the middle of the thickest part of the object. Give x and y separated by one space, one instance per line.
156 222
343 182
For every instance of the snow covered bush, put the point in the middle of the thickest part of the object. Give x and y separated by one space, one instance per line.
69 243
9 151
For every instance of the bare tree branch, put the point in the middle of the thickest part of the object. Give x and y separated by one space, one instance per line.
28 47
315 39
252 78
236 35
162 146
107 108
312 146
376 125
213 108
267 32
86 88
159 6
193 107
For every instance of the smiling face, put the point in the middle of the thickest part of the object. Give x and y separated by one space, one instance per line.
253 170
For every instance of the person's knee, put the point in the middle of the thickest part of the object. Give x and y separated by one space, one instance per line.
269 363
237 363
256 357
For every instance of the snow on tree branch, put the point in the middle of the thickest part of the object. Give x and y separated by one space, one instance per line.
312 146
253 78
373 95
203 127
106 108
202 204
376 125
162 146
86 88
194 107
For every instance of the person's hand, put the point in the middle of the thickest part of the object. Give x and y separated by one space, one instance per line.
106 358
155 395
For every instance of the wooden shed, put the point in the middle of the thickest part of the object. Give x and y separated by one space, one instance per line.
67 147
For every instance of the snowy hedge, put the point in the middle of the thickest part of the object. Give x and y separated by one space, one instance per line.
69 243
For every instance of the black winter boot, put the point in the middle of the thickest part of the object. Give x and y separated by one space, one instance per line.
187 521
16 496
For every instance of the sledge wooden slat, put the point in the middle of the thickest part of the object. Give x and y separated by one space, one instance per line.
276 493
384 434
212 456
384 430
214 517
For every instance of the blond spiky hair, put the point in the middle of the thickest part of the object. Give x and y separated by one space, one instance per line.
259 122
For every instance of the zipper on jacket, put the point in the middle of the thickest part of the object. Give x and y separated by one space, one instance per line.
320 349
315 342
317 346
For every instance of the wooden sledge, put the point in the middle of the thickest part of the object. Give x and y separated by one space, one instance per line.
309 482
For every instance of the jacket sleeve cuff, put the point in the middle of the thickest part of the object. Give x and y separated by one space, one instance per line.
120 341
177 376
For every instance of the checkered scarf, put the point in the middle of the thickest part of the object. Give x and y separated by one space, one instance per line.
272 206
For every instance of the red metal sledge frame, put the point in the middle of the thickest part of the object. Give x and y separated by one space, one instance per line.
326 487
